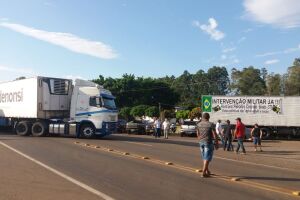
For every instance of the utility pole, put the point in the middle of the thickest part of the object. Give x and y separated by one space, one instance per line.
159 110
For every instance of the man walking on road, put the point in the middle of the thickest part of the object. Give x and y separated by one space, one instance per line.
219 131
227 132
239 133
256 134
206 134
157 126
166 127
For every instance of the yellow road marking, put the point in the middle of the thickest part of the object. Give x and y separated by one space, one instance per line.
238 180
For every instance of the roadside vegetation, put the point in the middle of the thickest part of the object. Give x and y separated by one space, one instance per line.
140 96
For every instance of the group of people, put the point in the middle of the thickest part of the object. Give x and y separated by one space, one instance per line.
165 126
226 134
208 135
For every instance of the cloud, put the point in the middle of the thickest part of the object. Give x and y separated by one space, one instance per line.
227 50
66 40
210 29
247 30
8 73
286 51
242 39
270 62
26 71
236 61
279 13
74 77
49 4
223 57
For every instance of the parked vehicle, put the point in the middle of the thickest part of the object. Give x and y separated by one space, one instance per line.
121 126
41 105
139 127
277 116
135 126
149 127
173 128
188 128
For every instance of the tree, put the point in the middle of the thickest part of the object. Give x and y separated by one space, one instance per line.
218 80
152 111
292 83
132 91
249 81
20 78
138 111
125 113
169 114
273 84
195 113
182 114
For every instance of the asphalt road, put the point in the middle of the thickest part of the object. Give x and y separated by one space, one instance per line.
115 168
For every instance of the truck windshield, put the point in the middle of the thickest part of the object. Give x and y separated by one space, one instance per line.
109 103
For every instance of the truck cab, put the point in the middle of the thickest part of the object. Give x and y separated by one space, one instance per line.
93 109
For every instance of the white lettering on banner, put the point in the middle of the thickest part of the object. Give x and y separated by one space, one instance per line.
255 105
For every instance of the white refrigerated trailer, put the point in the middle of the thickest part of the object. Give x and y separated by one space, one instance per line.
277 115
40 106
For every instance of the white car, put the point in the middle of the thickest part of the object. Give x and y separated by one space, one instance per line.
188 128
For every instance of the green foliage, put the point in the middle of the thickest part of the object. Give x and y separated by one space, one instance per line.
249 81
125 113
192 86
132 91
169 114
138 111
292 82
152 111
186 90
182 114
195 113
273 84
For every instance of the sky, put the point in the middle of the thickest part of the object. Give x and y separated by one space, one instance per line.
83 39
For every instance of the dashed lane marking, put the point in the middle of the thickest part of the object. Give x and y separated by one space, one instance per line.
68 178
237 180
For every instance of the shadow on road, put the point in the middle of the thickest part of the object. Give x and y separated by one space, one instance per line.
280 153
270 178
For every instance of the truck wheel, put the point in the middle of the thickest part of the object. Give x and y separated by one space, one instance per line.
22 128
38 129
87 131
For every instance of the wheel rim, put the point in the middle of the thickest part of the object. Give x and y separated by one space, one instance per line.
88 131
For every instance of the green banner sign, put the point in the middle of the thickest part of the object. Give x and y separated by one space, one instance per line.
206 103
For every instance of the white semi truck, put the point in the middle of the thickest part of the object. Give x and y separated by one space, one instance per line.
41 106
277 115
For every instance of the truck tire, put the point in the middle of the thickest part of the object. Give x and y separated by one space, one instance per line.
39 129
87 131
22 128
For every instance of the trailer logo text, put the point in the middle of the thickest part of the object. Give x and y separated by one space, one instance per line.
11 97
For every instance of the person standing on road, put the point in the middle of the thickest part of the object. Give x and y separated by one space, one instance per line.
227 132
239 133
256 134
157 126
166 127
219 131
206 134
